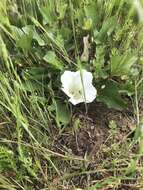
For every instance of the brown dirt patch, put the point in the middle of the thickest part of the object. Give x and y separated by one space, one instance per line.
93 130
90 136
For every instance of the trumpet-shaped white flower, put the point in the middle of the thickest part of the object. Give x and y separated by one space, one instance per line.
78 86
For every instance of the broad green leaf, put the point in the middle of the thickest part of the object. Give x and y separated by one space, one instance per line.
121 64
107 28
23 37
52 59
92 12
38 38
18 32
63 114
25 42
109 94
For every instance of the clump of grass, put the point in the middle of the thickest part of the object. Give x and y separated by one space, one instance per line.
39 40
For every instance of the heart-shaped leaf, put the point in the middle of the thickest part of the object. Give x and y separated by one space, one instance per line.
52 59
109 94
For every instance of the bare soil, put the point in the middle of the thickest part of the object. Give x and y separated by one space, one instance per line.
92 137
94 129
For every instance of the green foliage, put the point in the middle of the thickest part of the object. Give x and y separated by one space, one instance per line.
3 13
39 39
109 94
105 31
7 160
51 58
121 65
48 13
6 184
107 182
63 114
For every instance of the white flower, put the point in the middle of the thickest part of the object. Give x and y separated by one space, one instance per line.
78 86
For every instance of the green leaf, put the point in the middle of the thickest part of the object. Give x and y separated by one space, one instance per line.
101 185
35 79
52 59
139 131
6 159
35 36
27 30
98 63
66 35
40 99
92 12
38 38
109 94
79 15
25 42
87 24
63 114
107 28
48 12
127 88
3 13
32 86
36 73
131 169
23 37
140 91
121 64
61 8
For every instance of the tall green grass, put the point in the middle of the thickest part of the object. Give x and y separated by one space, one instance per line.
38 41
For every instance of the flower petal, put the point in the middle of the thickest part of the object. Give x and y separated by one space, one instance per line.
67 78
74 83
66 91
76 101
85 76
90 94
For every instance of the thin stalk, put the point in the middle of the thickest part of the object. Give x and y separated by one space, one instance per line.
73 28
137 104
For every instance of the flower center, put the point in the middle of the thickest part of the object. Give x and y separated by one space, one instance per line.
76 92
